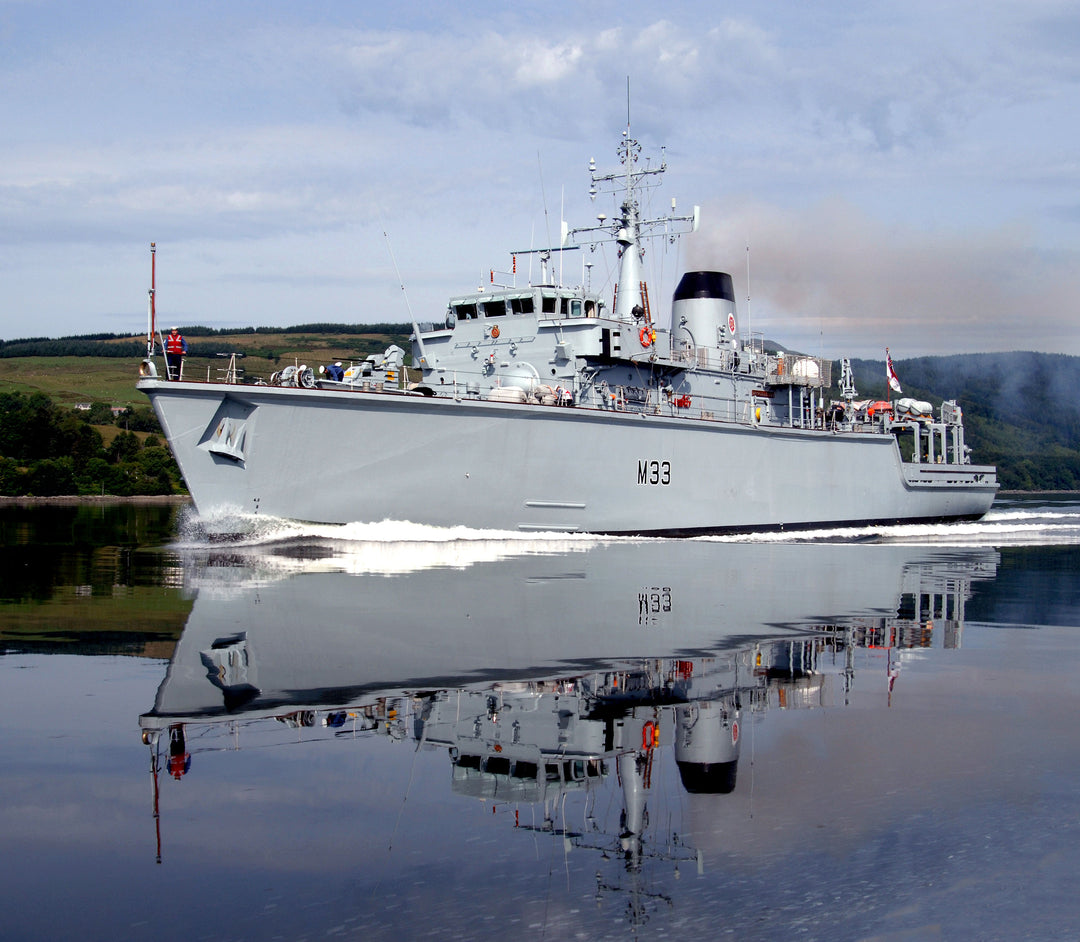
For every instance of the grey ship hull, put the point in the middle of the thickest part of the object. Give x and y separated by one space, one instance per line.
334 456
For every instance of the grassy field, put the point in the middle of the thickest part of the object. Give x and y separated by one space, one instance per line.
68 380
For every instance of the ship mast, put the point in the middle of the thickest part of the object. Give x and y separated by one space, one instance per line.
151 313
628 229
628 234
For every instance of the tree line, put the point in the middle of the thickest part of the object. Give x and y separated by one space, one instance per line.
125 346
49 450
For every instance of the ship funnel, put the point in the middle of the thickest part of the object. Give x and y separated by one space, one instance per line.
707 747
703 309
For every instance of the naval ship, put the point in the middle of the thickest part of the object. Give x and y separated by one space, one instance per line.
553 407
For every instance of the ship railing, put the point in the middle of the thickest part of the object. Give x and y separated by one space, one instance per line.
780 370
721 359
230 373
753 410
755 343
685 406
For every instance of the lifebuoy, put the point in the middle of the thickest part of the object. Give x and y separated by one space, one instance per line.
645 336
731 322
495 332
650 736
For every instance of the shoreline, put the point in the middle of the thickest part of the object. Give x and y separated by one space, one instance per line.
1035 493
164 499
95 499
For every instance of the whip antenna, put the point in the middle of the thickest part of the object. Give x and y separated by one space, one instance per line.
397 272
545 256
408 306
748 331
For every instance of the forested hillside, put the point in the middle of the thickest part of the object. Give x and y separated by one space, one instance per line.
48 450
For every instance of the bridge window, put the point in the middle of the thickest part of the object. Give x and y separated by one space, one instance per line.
465 311
548 304
521 305
494 308
523 769
497 765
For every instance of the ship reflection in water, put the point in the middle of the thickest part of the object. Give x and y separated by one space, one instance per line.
556 680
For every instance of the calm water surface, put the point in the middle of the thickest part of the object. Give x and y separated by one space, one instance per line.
388 732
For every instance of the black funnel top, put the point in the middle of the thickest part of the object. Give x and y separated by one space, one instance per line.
705 284
708 778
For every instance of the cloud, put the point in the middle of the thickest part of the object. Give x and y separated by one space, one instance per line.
568 78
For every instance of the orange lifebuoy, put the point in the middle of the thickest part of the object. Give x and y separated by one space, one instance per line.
650 736
495 332
646 336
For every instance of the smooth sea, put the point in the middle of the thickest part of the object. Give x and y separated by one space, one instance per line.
249 729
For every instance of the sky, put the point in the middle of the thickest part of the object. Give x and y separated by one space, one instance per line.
872 174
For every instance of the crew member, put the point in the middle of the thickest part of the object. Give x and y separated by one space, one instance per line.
175 351
179 757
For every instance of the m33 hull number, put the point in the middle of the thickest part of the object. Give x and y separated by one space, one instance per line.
654 472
